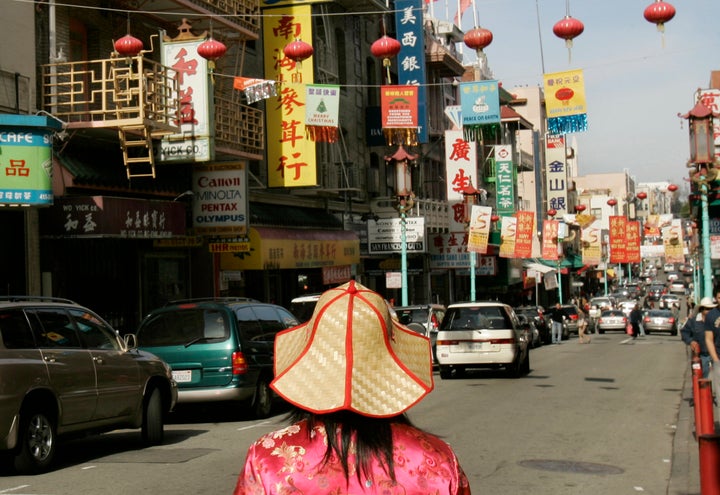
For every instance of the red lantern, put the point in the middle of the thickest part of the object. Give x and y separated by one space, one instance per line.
641 195
612 201
672 188
659 13
568 28
298 50
385 48
494 218
128 46
211 50
552 212
478 38
580 208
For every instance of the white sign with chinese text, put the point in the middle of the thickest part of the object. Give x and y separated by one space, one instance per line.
461 170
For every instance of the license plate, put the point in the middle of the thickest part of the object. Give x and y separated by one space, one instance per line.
469 347
182 376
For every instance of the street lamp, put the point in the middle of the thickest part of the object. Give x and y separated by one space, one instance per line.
405 201
470 195
702 158
560 235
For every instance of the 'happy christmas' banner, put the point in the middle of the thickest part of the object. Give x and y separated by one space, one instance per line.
524 234
632 234
321 112
550 239
618 239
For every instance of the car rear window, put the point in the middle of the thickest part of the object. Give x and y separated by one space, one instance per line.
485 317
181 327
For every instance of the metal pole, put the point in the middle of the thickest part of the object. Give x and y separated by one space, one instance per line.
559 281
707 274
403 258
606 292
472 275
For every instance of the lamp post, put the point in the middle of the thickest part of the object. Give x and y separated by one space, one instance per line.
405 201
561 234
612 202
702 158
641 196
470 195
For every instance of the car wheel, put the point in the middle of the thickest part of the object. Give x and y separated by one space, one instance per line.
600 331
263 399
37 442
153 429
445 372
514 369
673 331
526 364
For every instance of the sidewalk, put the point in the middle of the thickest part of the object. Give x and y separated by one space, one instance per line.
685 470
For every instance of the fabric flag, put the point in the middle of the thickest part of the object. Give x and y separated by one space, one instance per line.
565 102
480 109
321 112
524 234
591 243
255 89
480 221
399 108
673 242
550 239
463 5
633 242
507 237
618 239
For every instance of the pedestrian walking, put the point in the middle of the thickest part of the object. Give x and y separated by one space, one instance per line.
350 373
635 320
558 318
583 337
693 334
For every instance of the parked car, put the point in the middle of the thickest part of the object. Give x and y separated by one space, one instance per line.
303 306
612 319
597 305
660 320
669 267
673 276
220 350
422 318
669 301
66 371
481 335
536 314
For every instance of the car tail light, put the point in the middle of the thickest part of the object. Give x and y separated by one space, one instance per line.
646 319
573 317
434 322
671 320
239 363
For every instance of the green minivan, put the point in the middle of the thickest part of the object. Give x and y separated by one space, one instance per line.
220 349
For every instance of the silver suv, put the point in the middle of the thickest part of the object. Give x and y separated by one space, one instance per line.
482 335
72 373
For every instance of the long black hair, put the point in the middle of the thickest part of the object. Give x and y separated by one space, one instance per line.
373 438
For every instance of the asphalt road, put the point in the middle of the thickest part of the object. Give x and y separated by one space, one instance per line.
594 418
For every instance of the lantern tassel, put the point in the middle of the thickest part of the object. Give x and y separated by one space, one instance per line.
569 44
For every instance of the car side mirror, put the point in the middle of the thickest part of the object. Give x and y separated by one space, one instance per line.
130 341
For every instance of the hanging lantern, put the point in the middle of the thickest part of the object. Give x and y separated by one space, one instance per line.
552 212
298 50
568 28
641 195
494 218
580 208
128 46
478 38
211 50
672 188
659 13
612 202
385 48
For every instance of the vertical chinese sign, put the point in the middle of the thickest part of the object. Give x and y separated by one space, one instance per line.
290 153
193 142
618 239
411 59
556 174
632 249
524 234
461 170
711 99
550 239
504 180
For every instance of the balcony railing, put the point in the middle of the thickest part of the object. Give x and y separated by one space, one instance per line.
114 92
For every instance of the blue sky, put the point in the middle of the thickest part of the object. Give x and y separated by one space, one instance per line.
634 86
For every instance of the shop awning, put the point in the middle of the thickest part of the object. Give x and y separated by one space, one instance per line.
272 248
538 267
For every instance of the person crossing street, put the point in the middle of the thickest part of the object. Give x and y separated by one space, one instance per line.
558 318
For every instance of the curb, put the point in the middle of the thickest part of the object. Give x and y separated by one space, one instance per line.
685 466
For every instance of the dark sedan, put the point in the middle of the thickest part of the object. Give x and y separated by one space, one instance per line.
660 320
